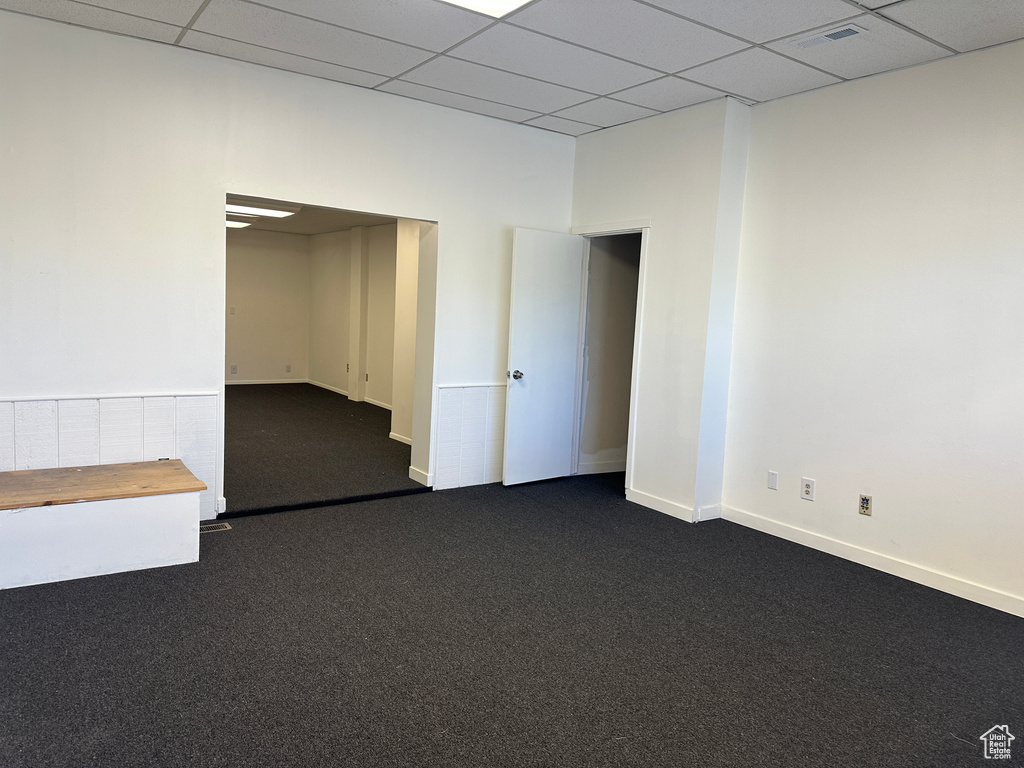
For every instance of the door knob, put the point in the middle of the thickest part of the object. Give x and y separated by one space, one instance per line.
517 375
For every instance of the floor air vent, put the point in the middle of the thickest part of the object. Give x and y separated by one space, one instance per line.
210 527
831 36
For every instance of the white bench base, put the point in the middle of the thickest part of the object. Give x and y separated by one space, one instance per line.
39 545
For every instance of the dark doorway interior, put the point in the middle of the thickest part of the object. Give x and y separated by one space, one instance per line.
295 446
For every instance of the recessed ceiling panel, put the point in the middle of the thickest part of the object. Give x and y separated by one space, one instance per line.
424 23
528 53
761 20
605 112
233 49
667 94
493 85
759 75
270 28
94 18
628 29
457 100
962 24
561 125
878 46
179 12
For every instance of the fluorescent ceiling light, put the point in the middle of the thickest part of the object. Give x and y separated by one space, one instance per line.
495 8
238 224
253 211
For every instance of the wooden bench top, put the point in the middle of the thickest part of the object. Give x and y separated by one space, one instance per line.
67 485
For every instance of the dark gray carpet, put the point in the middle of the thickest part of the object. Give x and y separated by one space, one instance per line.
548 625
296 446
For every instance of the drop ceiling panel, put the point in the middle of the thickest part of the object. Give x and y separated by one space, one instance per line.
759 75
881 47
233 49
605 112
179 12
95 18
424 23
270 28
667 94
457 100
493 85
760 20
628 29
965 26
528 53
560 125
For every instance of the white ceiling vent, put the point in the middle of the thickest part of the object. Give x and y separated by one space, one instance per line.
830 36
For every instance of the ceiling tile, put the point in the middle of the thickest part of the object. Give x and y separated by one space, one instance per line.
605 112
426 23
457 100
761 20
759 75
667 94
233 49
875 3
95 18
528 53
883 46
628 29
965 26
560 125
178 12
493 85
269 28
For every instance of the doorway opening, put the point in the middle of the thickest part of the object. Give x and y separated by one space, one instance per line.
608 332
321 354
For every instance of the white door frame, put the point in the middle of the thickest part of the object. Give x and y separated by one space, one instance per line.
643 226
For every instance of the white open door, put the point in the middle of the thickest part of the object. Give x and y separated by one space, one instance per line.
543 344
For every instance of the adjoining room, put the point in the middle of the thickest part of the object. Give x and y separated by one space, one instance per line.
319 354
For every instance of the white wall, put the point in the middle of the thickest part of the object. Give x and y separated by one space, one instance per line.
879 339
136 145
380 318
676 173
407 255
614 272
329 310
267 290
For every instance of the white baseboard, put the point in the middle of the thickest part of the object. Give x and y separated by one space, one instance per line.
328 386
661 505
421 477
600 467
400 438
944 582
709 512
379 404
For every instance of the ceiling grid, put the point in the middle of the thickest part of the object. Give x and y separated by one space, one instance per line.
571 66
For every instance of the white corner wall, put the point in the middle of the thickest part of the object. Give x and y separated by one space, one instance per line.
267 290
879 337
407 255
676 173
138 143
380 314
329 310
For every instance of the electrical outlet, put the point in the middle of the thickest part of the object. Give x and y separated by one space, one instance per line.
231 310
806 488
773 480
234 369
865 504
367 377
346 368
287 369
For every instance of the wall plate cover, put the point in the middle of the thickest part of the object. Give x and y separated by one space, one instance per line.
807 488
